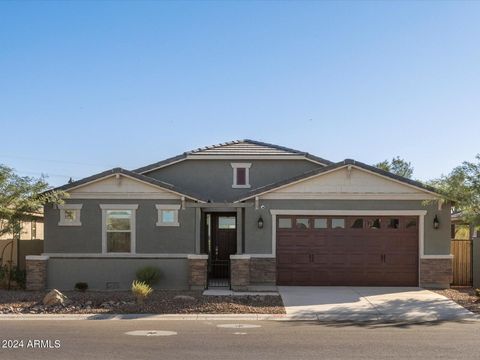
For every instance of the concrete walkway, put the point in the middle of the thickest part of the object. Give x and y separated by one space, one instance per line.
358 304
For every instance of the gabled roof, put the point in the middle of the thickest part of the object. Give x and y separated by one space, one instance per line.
246 147
326 169
131 174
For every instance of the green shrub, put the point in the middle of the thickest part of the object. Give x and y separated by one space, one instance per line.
148 274
81 286
477 292
141 291
19 276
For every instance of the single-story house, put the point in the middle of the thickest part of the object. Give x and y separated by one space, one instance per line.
249 215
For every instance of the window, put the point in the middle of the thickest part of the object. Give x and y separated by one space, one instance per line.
411 224
118 223
33 225
227 222
338 223
70 215
374 223
393 223
284 223
241 175
320 223
167 215
302 223
357 224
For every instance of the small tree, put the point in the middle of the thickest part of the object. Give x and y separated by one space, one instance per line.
20 197
397 166
462 186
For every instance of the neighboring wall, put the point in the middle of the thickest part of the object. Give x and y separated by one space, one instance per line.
31 230
213 178
259 241
150 239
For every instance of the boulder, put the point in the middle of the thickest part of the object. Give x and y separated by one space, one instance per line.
54 297
184 298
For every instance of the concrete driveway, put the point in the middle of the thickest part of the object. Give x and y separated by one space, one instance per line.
357 304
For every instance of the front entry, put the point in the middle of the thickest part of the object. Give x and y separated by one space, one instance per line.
222 242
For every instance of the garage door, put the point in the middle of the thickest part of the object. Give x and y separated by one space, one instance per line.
353 250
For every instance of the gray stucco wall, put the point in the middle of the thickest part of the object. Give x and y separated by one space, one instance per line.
213 178
62 274
259 241
150 238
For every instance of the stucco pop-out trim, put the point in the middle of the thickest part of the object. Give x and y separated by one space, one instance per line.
133 230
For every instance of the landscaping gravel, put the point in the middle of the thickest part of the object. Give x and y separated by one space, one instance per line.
464 296
123 302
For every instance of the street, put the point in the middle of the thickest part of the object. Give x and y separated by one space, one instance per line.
71 339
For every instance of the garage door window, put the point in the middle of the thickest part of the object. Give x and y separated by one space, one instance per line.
284 223
393 223
357 223
338 223
374 223
320 223
302 223
411 224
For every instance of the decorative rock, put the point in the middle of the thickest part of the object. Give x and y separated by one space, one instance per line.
184 298
54 297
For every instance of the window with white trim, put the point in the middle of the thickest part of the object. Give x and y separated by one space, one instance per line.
167 214
118 223
70 214
241 175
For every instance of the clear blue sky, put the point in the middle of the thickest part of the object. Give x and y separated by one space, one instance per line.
86 86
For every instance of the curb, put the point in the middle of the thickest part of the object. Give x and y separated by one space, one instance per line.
223 317
218 317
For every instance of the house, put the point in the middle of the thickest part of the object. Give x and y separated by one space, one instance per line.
249 215
30 241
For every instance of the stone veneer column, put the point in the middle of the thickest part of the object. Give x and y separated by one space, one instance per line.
436 272
239 272
36 269
197 271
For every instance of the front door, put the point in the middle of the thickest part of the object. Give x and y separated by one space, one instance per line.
223 244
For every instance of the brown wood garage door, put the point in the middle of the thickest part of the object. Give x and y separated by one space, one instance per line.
353 250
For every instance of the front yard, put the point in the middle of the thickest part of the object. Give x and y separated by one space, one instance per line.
464 296
123 302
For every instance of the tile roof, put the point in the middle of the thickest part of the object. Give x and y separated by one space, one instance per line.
244 147
147 179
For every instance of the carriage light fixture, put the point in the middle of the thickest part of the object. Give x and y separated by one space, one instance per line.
260 223
436 222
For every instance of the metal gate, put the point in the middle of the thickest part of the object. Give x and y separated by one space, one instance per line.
219 273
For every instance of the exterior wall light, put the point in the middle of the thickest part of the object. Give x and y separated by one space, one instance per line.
436 222
260 223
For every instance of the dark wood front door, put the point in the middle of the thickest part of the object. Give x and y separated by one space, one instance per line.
223 243
353 250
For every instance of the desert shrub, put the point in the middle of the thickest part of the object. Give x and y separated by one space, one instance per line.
148 275
81 286
141 291
19 276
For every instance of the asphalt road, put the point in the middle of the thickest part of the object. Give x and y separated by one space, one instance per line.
206 340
